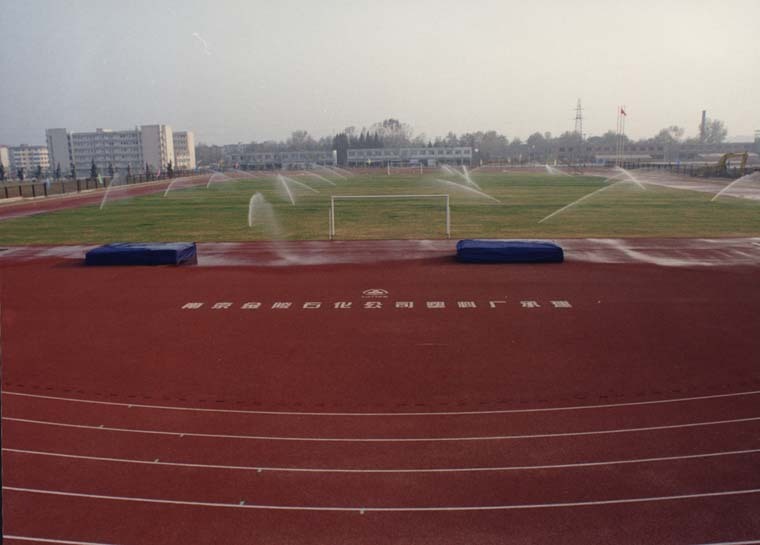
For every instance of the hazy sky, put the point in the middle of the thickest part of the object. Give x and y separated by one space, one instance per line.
268 68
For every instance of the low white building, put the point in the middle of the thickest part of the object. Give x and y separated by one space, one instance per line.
427 156
288 160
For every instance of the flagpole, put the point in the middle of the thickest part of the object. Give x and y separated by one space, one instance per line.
617 136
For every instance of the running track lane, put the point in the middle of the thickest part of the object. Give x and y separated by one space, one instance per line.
121 334
731 516
678 522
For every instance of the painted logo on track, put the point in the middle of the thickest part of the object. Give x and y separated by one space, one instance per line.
375 293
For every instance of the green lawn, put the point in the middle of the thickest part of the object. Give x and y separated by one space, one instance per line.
220 213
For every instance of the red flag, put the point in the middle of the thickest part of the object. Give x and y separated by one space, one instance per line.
622 112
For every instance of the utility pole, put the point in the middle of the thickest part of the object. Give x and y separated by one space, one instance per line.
703 127
579 130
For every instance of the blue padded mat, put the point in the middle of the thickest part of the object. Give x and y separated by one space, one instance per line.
508 251
142 253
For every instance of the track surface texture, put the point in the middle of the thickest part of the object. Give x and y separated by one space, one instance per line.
415 400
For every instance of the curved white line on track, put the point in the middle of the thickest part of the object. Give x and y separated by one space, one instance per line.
441 413
48 540
412 470
362 510
382 439
751 542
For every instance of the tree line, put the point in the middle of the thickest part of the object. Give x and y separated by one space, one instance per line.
491 145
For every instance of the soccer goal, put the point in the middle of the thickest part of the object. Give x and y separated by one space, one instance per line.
368 213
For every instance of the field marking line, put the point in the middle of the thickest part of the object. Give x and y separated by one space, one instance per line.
154 462
381 439
442 413
751 542
361 509
49 540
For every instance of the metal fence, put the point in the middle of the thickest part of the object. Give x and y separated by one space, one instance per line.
44 188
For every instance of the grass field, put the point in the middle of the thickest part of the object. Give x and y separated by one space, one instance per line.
220 213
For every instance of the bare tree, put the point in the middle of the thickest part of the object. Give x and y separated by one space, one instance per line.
715 131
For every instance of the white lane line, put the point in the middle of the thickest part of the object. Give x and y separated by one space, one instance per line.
411 470
48 540
385 509
382 439
751 542
441 413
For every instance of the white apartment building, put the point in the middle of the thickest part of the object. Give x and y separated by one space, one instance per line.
133 149
5 158
157 146
410 156
184 150
59 149
106 148
28 158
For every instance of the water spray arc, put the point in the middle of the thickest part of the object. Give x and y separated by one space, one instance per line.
116 181
587 196
300 184
217 177
283 181
467 188
319 177
629 177
748 178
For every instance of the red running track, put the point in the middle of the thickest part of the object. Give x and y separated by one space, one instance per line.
576 403
30 207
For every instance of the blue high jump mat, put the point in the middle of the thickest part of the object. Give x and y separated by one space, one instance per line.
508 251
142 253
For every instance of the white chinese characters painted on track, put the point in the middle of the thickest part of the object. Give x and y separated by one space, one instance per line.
378 304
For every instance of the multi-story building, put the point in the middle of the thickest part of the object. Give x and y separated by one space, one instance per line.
184 150
427 156
59 149
157 146
29 158
5 158
127 150
107 149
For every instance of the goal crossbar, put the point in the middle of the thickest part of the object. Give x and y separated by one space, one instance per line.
333 198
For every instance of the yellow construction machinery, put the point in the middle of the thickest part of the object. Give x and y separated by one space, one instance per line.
723 161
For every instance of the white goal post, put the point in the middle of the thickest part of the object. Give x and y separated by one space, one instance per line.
334 198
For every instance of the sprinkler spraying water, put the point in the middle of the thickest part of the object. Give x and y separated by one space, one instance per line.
171 184
466 188
256 199
300 184
467 177
331 172
575 202
283 181
629 177
117 181
318 177
216 177
343 171
755 176
464 175
555 171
